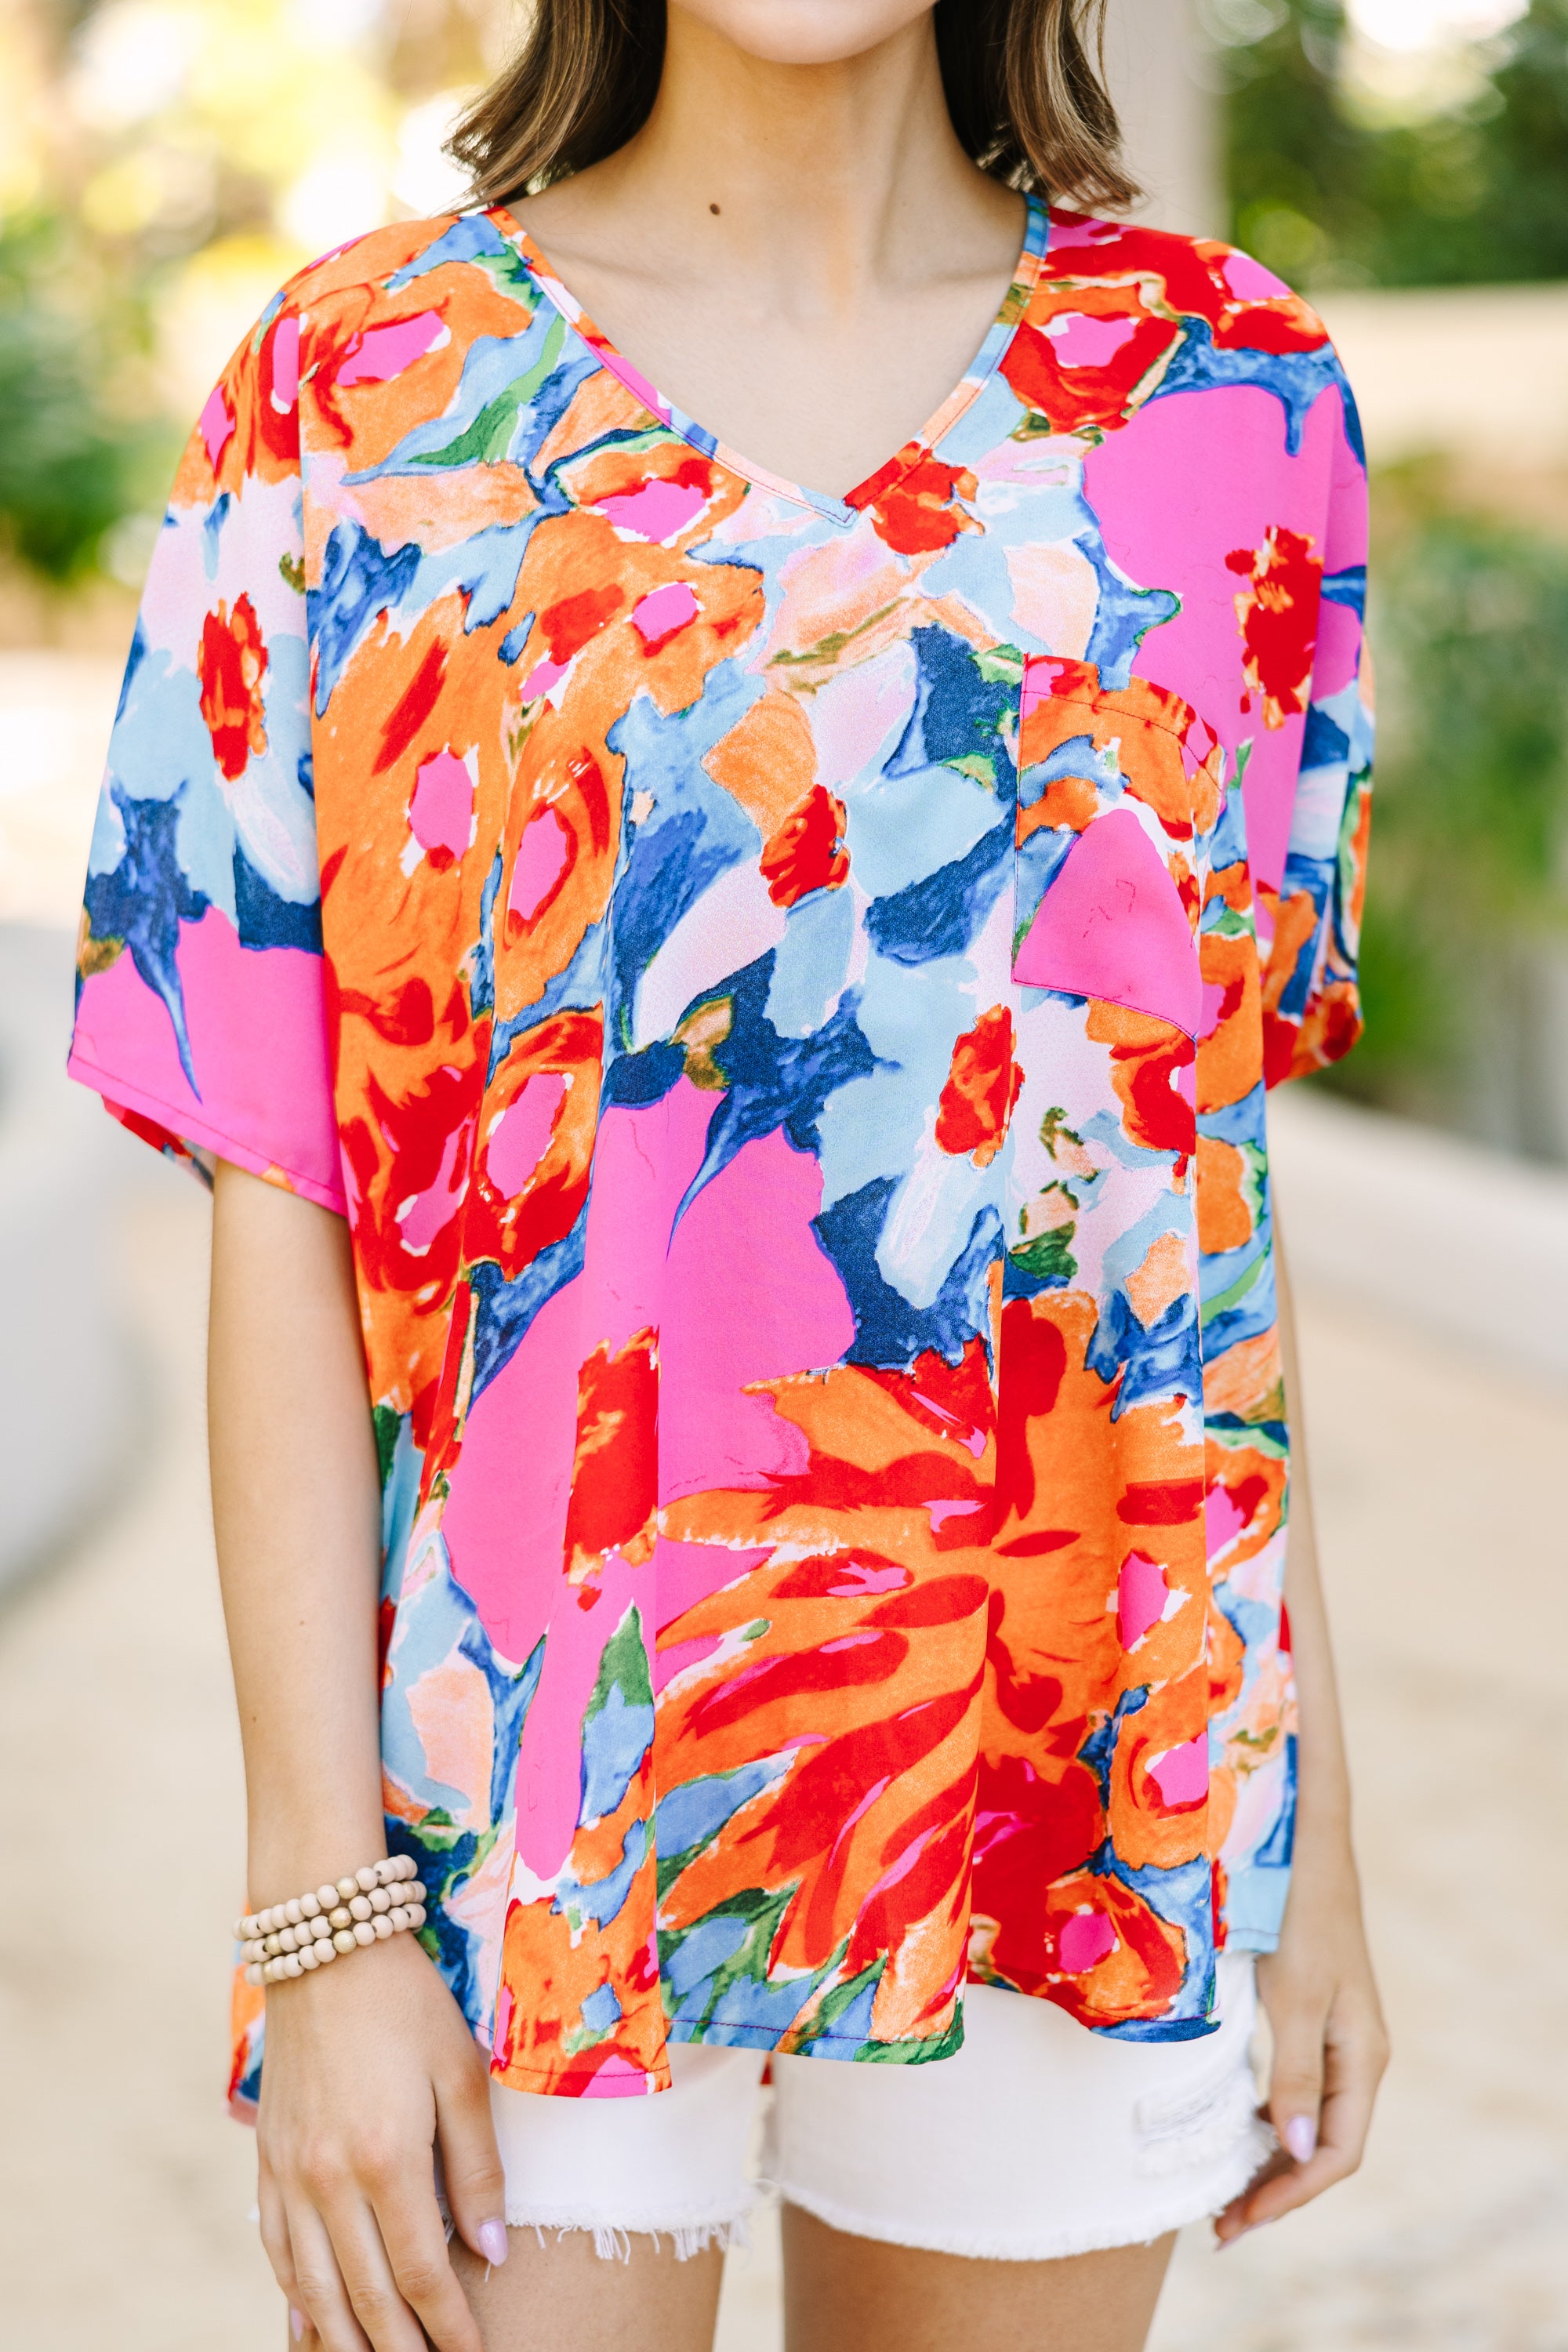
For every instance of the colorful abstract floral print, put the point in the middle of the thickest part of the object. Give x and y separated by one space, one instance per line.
782 988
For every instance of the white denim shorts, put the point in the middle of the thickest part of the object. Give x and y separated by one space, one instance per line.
1038 2140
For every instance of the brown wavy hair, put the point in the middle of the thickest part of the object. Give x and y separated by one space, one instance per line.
1025 82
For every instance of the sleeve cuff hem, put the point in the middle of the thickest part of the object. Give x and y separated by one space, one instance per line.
183 1128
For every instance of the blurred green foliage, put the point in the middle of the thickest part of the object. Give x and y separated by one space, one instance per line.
1468 892
69 465
1474 194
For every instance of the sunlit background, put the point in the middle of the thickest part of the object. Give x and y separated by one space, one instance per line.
164 164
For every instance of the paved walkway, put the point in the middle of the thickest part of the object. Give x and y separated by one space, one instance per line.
123 2188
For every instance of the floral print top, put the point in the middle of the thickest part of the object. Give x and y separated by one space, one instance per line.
782 988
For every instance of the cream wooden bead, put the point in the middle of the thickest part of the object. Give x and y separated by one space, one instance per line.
379 1900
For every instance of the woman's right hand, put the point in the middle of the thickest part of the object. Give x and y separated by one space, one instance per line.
369 2066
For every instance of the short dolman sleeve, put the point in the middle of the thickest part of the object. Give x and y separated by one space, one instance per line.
202 1006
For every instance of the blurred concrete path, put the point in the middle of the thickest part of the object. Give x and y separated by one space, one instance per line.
124 2191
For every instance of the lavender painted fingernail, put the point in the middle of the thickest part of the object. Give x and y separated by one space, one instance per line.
491 2236
1300 2136
296 2324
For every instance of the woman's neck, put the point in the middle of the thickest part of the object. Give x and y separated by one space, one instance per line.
802 258
801 186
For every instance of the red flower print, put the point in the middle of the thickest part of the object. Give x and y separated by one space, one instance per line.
412 707
1151 1071
1087 367
567 627
536 1143
1095 345
231 664
614 1471
913 504
984 1083
1277 614
807 852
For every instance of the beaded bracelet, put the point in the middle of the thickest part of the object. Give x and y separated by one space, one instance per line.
294 1939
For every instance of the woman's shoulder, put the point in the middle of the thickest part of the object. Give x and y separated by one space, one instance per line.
1188 276
392 258
1121 312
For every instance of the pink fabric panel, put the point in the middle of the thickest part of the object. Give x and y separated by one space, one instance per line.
1112 925
1170 517
257 1033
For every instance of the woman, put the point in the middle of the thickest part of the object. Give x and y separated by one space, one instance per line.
747 981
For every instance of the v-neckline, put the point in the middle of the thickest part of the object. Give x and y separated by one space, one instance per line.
842 511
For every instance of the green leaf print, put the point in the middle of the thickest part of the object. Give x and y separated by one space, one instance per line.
1048 1257
488 437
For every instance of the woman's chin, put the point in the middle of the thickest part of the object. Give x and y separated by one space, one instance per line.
805 32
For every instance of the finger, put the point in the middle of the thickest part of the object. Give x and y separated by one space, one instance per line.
1296 2075
415 2241
1354 2066
277 2244
471 2165
320 2287
1232 2222
368 2259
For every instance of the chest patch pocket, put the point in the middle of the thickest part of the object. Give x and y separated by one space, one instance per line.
1116 788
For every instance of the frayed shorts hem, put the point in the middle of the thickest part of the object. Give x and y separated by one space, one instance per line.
1154 2221
612 2241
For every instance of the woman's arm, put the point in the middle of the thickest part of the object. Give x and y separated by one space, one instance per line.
369 2062
1329 2044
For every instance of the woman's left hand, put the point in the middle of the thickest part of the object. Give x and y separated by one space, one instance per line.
1330 2046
